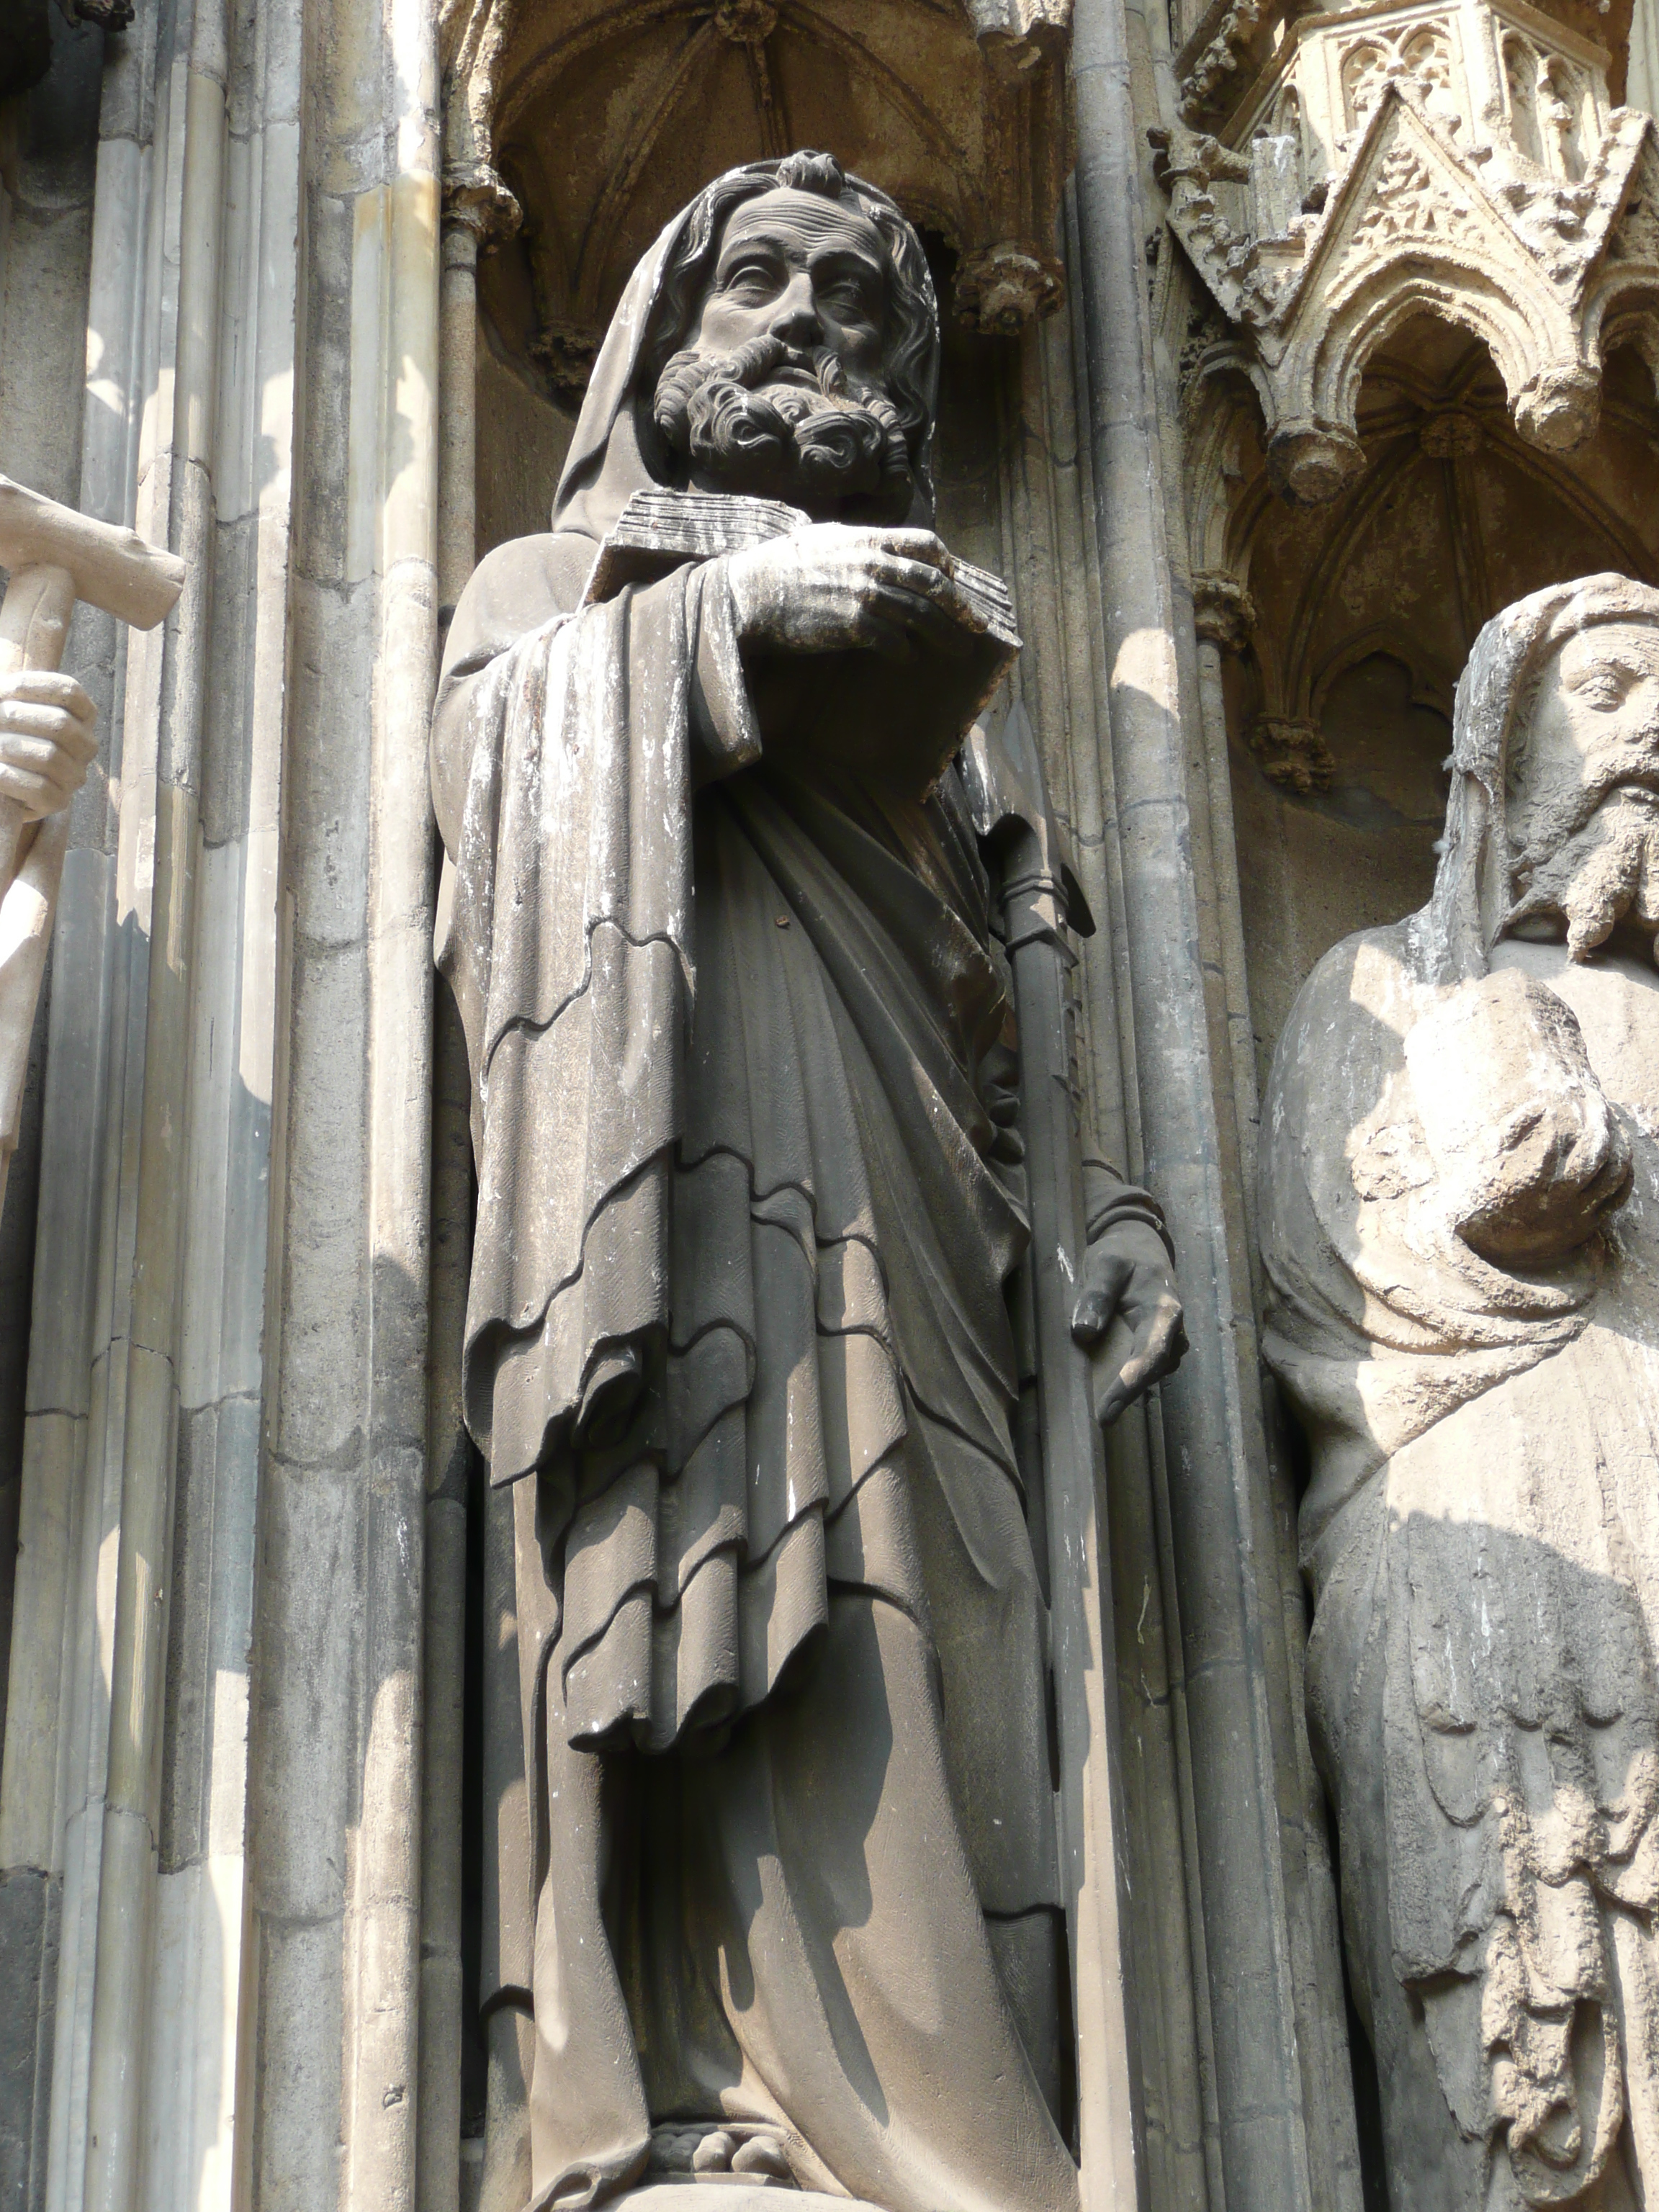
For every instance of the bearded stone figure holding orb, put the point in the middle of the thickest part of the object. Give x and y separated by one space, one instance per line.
1460 1222
785 1904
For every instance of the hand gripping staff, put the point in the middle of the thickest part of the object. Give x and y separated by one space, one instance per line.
56 556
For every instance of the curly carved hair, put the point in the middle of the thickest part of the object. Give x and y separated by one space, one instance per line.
910 347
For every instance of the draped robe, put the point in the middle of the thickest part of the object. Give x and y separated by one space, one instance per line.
730 1151
739 1348
1481 1534
1480 1528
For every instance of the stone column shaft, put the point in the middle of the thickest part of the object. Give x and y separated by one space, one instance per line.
384 1902
151 1304
1261 2158
448 1454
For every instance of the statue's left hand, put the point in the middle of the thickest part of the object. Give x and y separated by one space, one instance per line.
1127 1271
48 737
834 584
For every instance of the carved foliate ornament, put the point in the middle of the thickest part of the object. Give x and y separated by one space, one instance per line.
1003 289
1293 752
1461 160
567 351
745 23
1223 611
1015 36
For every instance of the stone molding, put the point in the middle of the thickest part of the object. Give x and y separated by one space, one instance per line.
1462 161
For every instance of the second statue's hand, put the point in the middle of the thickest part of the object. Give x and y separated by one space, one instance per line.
1127 1278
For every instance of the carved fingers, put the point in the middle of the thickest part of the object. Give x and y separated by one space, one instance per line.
1127 1277
48 737
831 587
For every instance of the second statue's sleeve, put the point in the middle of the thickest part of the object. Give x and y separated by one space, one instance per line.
1109 1200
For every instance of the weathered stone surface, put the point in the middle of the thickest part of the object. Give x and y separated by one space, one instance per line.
1456 162
237 309
1455 1215
30 1902
786 322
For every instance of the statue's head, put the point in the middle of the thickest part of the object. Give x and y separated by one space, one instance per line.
1553 824
795 343
1582 778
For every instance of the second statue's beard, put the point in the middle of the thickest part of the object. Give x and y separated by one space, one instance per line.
1602 874
830 448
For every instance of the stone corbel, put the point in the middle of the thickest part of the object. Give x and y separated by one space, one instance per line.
1293 752
1541 268
1017 36
1224 612
566 350
1003 288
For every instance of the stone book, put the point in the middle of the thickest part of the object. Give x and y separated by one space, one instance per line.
902 719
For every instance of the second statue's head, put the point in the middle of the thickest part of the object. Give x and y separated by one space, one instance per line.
805 337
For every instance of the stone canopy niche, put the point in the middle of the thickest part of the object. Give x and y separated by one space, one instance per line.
1411 301
1340 631
574 131
1335 175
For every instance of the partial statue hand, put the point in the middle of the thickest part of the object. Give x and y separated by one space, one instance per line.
48 736
832 586
1531 1156
1545 1179
1127 1271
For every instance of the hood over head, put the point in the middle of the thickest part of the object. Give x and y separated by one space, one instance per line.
617 449
1473 886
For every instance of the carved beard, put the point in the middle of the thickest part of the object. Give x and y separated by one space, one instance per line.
822 449
1594 878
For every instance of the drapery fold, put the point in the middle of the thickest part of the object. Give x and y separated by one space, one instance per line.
1481 1534
672 1210
737 1319
1381 1321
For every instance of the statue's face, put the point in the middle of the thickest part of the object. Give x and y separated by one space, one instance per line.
798 267
1583 788
1594 729
780 389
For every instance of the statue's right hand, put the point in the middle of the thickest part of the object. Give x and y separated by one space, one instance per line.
833 586
1532 1155
1549 1174
48 739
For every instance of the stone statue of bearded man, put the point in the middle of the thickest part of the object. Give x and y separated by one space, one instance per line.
784 1901
1459 1221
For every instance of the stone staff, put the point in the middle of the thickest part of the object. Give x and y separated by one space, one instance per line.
1040 900
56 556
